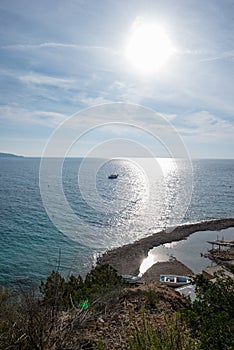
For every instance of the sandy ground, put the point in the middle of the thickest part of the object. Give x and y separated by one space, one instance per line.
128 258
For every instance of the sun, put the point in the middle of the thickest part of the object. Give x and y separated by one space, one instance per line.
148 47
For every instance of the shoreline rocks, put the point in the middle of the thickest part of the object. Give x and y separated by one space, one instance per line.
128 258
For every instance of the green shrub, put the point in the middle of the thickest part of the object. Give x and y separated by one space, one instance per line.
152 298
212 314
63 295
24 323
53 291
173 336
231 268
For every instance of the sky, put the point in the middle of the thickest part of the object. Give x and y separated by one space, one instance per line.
60 57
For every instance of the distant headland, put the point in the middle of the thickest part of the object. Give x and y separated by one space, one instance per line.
9 155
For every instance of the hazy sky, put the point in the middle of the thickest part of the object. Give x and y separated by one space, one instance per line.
61 56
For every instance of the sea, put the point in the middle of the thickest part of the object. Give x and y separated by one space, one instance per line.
63 214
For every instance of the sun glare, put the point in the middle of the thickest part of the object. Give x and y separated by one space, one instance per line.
148 47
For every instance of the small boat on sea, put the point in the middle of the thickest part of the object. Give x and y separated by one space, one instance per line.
113 176
175 280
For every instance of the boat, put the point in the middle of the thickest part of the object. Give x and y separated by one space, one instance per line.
175 280
131 279
188 291
113 176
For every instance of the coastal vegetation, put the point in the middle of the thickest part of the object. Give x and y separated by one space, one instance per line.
211 316
102 312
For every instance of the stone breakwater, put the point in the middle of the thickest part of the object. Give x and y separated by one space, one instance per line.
128 258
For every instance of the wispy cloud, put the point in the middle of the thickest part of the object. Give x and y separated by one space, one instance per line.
38 46
54 45
39 78
52 118
168 116
9 114
220 56
206 126
35 78
93 101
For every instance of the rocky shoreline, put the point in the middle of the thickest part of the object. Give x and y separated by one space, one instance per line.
128 258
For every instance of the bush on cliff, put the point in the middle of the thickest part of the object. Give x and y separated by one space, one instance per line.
64 295
30 322
212 314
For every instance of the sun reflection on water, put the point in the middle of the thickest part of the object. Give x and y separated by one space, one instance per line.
147 263
155 255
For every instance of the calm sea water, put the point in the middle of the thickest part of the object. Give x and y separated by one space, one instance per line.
99 213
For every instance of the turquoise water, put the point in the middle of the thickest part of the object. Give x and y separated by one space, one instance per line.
119 212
